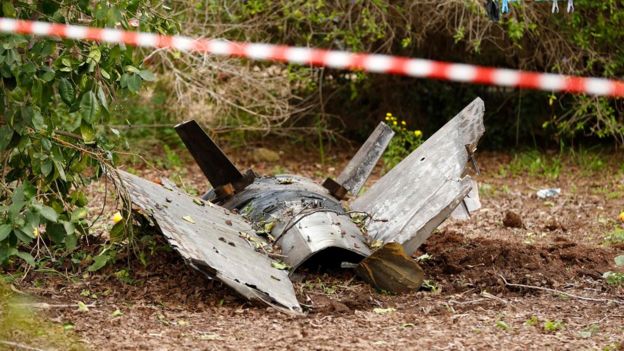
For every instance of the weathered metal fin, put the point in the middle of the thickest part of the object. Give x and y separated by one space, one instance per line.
361 165
422 191
390 269
470 204
217 167
214 241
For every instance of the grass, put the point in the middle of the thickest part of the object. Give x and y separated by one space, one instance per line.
615 237
553 326
24 329
539 164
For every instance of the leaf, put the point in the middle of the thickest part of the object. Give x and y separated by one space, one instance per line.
5 230
88 133
26 257
104 73
69 227
116 313
61 170
98 262
188 219
78 214
37 121
102 98
82 307
56 232
71 241
280 265
147 76
384 310
133 82
48 213
619 261
46 167
6 134
89 107
7 9
6 252
67 92
117 232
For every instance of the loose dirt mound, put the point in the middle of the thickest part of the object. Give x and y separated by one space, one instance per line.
462 263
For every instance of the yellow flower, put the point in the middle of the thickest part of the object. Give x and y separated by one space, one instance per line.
394 123
36 232
621 216
403 123
117 217
387 118
388 114
418 133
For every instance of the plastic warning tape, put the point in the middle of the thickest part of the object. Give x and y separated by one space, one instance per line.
375 63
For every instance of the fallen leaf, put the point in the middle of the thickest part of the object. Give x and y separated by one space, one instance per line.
188 219
280 265
384 310
117 313
82 307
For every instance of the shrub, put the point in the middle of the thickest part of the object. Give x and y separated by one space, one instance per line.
55 98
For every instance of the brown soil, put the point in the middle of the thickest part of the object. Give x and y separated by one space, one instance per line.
168 306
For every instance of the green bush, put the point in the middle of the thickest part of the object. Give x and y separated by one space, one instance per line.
55 98
402 144
585 42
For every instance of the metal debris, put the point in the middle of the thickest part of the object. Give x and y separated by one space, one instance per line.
288 221
548 193
210 245
358 170
390 269
419 193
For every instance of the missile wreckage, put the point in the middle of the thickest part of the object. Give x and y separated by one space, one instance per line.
253 232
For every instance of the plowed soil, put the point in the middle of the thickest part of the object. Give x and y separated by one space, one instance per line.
472 298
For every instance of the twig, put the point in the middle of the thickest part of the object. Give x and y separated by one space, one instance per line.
47 306
494 297
619 302
20 346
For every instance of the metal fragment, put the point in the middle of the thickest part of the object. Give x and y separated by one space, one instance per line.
390 269
215 165
362 164
422 191
209 238
306 221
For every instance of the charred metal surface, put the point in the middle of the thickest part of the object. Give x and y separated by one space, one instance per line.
303 222
423 190
390 269
215 241
336 189
302 217
217 167
362 164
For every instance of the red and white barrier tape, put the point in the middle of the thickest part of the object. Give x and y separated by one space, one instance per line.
328 58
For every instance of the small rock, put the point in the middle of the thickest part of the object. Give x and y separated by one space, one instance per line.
512 220
262 154
553 225
548 193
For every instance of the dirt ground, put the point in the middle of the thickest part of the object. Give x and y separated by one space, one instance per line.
470 303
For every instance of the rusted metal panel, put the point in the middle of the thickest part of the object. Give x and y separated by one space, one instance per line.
215 241
361 165
390 269
422 191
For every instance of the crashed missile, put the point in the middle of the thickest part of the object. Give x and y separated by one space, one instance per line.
248 220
